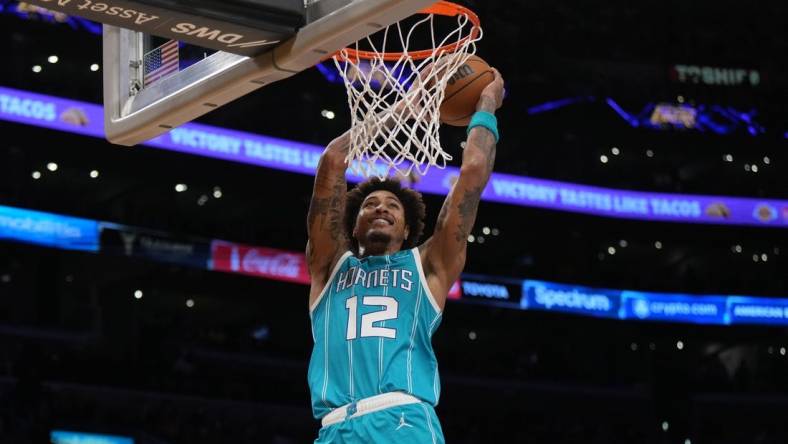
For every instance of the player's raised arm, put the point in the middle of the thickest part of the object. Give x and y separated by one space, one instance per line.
444 253
325 221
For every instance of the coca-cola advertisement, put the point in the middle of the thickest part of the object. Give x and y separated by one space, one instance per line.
258 261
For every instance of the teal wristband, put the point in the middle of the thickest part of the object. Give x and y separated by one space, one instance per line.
487 120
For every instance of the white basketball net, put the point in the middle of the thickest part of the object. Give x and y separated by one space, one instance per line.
385 137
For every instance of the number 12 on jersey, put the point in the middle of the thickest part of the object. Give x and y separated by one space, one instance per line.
389 311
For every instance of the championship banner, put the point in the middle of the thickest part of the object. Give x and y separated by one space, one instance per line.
285 155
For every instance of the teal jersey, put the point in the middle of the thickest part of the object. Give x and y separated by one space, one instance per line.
372 326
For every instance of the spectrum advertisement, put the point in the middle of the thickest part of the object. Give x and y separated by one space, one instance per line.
269 152
573 299
654 307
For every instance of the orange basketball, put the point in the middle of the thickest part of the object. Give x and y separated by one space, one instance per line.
463 91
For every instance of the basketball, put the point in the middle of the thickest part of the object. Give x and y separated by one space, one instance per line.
463 91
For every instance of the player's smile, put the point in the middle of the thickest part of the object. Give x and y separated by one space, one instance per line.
382 220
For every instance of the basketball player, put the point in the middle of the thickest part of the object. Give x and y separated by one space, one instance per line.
377 296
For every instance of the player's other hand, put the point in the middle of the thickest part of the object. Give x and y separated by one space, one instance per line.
492 94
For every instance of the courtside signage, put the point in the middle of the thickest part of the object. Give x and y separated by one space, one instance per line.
49 230
285 155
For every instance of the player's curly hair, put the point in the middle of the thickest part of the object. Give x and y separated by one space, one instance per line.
412 202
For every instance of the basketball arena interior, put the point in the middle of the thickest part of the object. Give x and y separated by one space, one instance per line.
625 278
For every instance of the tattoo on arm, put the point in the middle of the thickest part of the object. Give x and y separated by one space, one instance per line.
329 210
467 210
335 209
325 216
443 215
317 208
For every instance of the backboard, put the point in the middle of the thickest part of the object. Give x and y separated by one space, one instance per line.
222 49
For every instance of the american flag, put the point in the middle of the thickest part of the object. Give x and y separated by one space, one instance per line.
161 61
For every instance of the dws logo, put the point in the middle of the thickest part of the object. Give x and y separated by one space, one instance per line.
229 39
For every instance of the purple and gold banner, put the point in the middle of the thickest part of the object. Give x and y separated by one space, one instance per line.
236 146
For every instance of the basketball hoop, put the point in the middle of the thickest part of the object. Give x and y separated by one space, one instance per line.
395 96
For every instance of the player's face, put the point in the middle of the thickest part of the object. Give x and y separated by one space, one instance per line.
381 218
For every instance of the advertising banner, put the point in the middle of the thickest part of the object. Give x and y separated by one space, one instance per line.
49 230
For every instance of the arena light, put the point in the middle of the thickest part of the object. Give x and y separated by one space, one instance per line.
53 59
754 168
611 250
665 426
189 303
94 67
138 294
36 175
472 335
623 243
737 248
202 200
615 151
327 114
217 192
764 257
766 160
37 69
181 187
471 238
728 158
486 230
649 153
633 346
495 231
658 245
94 174
782 351
480 239
603 158
680 345
52 166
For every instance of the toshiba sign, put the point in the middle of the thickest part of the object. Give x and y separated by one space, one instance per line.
715 76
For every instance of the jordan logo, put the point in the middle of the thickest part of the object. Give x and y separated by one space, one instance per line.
402 423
